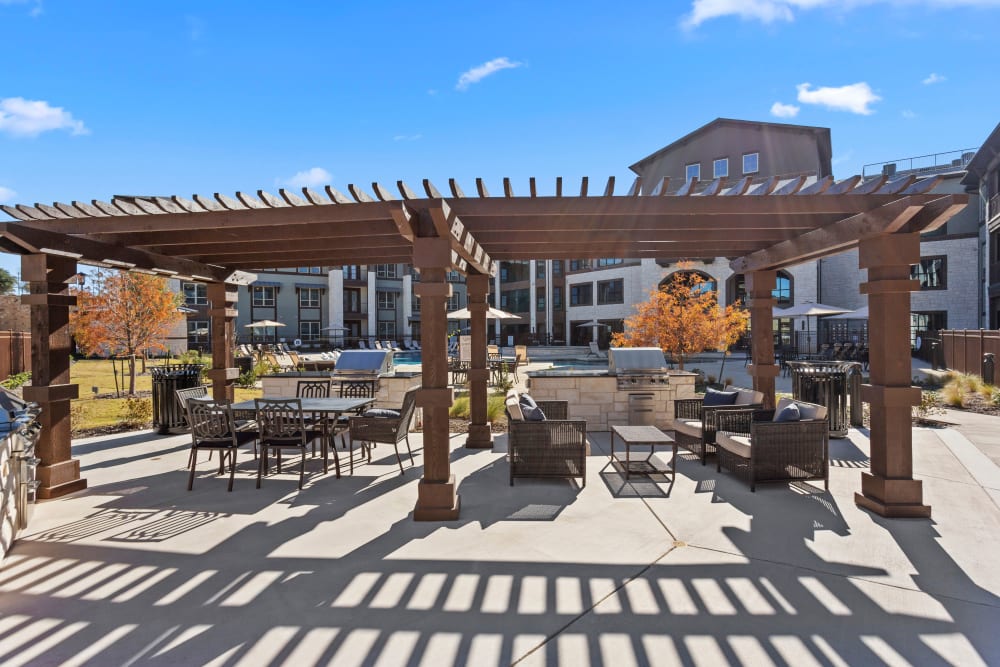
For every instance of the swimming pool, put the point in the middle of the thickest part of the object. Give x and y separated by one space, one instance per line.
406 358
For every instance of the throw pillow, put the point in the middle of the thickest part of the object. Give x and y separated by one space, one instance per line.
530 409
789 413
382 412
715 397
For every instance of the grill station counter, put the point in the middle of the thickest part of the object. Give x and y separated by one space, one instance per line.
637 388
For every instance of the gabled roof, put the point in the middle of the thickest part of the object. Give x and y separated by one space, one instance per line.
822 135
980 163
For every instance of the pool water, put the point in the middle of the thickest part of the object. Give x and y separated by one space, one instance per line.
406 358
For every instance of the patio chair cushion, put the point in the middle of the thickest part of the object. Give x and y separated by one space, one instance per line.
382 412
735 443
748 397
688 427
513 405
789 413
530 410
715 397
807 411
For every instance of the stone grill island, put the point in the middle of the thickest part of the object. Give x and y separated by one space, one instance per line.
637 387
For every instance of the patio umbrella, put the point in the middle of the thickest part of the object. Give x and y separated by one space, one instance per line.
808 310
859 314
491 314
593 323
264 324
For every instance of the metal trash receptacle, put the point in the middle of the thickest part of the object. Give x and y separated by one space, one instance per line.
167 412
829 383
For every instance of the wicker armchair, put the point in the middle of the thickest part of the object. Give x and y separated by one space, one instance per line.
388 430
556 447
758 449
695 424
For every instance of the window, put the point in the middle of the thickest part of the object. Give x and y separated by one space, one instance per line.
386 300
609 262
352 301
386 271
516 300
581 294
198 331
782 292
751 163
931 272
611 291
923 322
539 298
352 272
310 297
540 269
195 294
557 298
263 297
514 271
310 269
455 301
557 267
720 168
579 264
692 171
309 330
707 283
386 330
416 303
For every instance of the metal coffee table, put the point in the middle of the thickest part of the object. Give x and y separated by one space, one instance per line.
633 436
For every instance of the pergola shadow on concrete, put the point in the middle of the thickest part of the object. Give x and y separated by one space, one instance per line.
763 227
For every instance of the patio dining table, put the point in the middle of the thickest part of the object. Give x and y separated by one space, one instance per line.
329 408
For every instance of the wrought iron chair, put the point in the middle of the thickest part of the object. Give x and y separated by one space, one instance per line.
388 430
213 428
282 426
313 389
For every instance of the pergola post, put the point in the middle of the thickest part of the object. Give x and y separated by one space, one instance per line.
760 286
889 489
223 312
480 435
50 301
436 497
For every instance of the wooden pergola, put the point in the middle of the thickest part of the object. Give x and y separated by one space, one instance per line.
762 227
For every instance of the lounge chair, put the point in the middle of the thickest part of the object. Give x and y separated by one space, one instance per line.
596 351
377 345
361 345
554 447
695 424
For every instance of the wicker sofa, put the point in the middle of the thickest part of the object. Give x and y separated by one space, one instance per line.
695 424
555 447
759 449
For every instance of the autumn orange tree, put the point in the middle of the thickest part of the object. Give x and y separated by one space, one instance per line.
124 313
683 317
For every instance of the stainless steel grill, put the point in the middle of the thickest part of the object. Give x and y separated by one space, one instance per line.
363 363
638 368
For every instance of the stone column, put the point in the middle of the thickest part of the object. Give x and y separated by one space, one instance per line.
436 497
889 489
50 301
223 373
763 370
480 436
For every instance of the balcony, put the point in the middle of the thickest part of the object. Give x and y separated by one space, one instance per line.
921 165
993 207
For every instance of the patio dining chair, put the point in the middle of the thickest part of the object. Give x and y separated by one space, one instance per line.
282 426
213 428
389 430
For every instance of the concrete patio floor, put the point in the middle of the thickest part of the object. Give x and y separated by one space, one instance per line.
137 570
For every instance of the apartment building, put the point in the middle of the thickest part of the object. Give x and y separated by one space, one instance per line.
983 178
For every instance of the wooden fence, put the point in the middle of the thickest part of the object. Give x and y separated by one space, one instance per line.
964 349
15 353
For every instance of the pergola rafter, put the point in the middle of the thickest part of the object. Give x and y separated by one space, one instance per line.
760 225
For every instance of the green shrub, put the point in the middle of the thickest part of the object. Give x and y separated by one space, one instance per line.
459 408
928 405
16 380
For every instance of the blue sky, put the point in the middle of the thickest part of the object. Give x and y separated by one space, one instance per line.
104 98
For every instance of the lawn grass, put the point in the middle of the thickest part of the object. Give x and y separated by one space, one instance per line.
89 413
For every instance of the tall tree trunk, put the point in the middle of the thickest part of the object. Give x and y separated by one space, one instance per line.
131 375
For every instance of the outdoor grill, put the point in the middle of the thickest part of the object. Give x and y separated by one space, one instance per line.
362 365
638 368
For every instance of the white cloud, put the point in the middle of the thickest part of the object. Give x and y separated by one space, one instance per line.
855 97
933 78
309 178
784 110
480 72
6 195
407 137
769 11
909 114
29 118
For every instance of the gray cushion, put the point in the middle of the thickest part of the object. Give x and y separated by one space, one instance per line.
513 405
714 397
789 413
530 409
688 427
749 397
382 412
734 443
807 411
